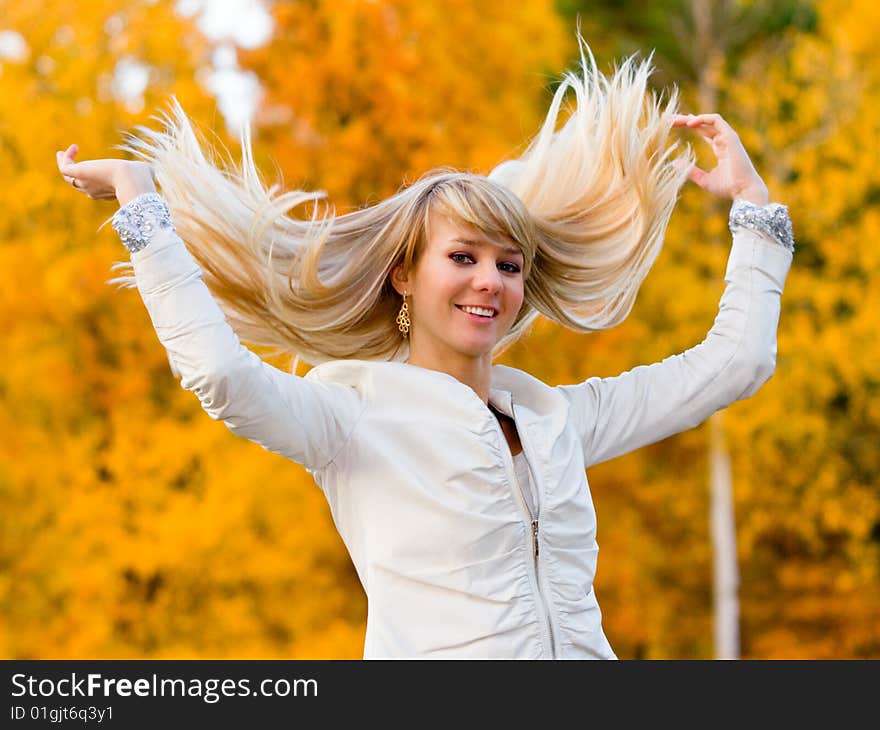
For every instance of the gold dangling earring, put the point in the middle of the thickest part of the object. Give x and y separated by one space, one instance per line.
403 322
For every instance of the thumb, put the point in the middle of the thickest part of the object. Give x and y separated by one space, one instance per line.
699 176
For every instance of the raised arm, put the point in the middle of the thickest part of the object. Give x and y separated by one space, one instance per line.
646 404
305 421
302 419
651 402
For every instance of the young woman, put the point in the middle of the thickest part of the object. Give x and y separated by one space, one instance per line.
458 486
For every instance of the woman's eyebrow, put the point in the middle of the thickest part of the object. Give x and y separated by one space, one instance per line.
483 244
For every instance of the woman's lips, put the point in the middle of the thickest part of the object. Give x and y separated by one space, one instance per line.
476 317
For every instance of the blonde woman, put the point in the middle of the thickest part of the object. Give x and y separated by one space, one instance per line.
457 485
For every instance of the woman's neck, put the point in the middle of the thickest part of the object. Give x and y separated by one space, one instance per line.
474 372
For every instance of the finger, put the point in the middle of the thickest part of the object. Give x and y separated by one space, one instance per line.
707 118
679 120
709 125
698 175
65 158
69 167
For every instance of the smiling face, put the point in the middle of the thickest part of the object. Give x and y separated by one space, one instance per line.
463 295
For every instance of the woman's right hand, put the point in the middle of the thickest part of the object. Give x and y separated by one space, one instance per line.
102 179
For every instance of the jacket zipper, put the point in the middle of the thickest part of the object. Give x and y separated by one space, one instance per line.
533 524
538 573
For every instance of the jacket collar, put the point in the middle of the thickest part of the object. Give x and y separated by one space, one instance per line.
501 399
508 386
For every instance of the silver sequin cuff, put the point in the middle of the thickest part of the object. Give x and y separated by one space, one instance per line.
772 220
140 219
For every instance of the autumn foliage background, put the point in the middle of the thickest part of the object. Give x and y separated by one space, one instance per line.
132 525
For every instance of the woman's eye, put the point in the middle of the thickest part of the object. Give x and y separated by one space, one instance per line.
507 267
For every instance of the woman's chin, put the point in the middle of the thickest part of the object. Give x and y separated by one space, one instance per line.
477 347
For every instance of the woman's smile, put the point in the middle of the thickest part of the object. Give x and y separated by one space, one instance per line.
478 315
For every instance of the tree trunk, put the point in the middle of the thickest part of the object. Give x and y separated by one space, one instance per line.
723 526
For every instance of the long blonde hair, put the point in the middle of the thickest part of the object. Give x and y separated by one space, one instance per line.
588 205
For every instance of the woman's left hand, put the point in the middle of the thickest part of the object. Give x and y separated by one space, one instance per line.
734 176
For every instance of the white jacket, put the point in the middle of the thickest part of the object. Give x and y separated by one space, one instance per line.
418 474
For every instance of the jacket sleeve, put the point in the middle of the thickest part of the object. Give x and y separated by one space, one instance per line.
648 403
303 420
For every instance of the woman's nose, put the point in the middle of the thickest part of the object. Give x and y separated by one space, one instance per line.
487 278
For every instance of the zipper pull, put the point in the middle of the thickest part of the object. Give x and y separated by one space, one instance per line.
535 536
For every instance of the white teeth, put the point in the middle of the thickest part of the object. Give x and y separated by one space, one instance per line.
479 310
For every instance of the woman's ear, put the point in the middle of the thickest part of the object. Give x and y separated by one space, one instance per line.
399 280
